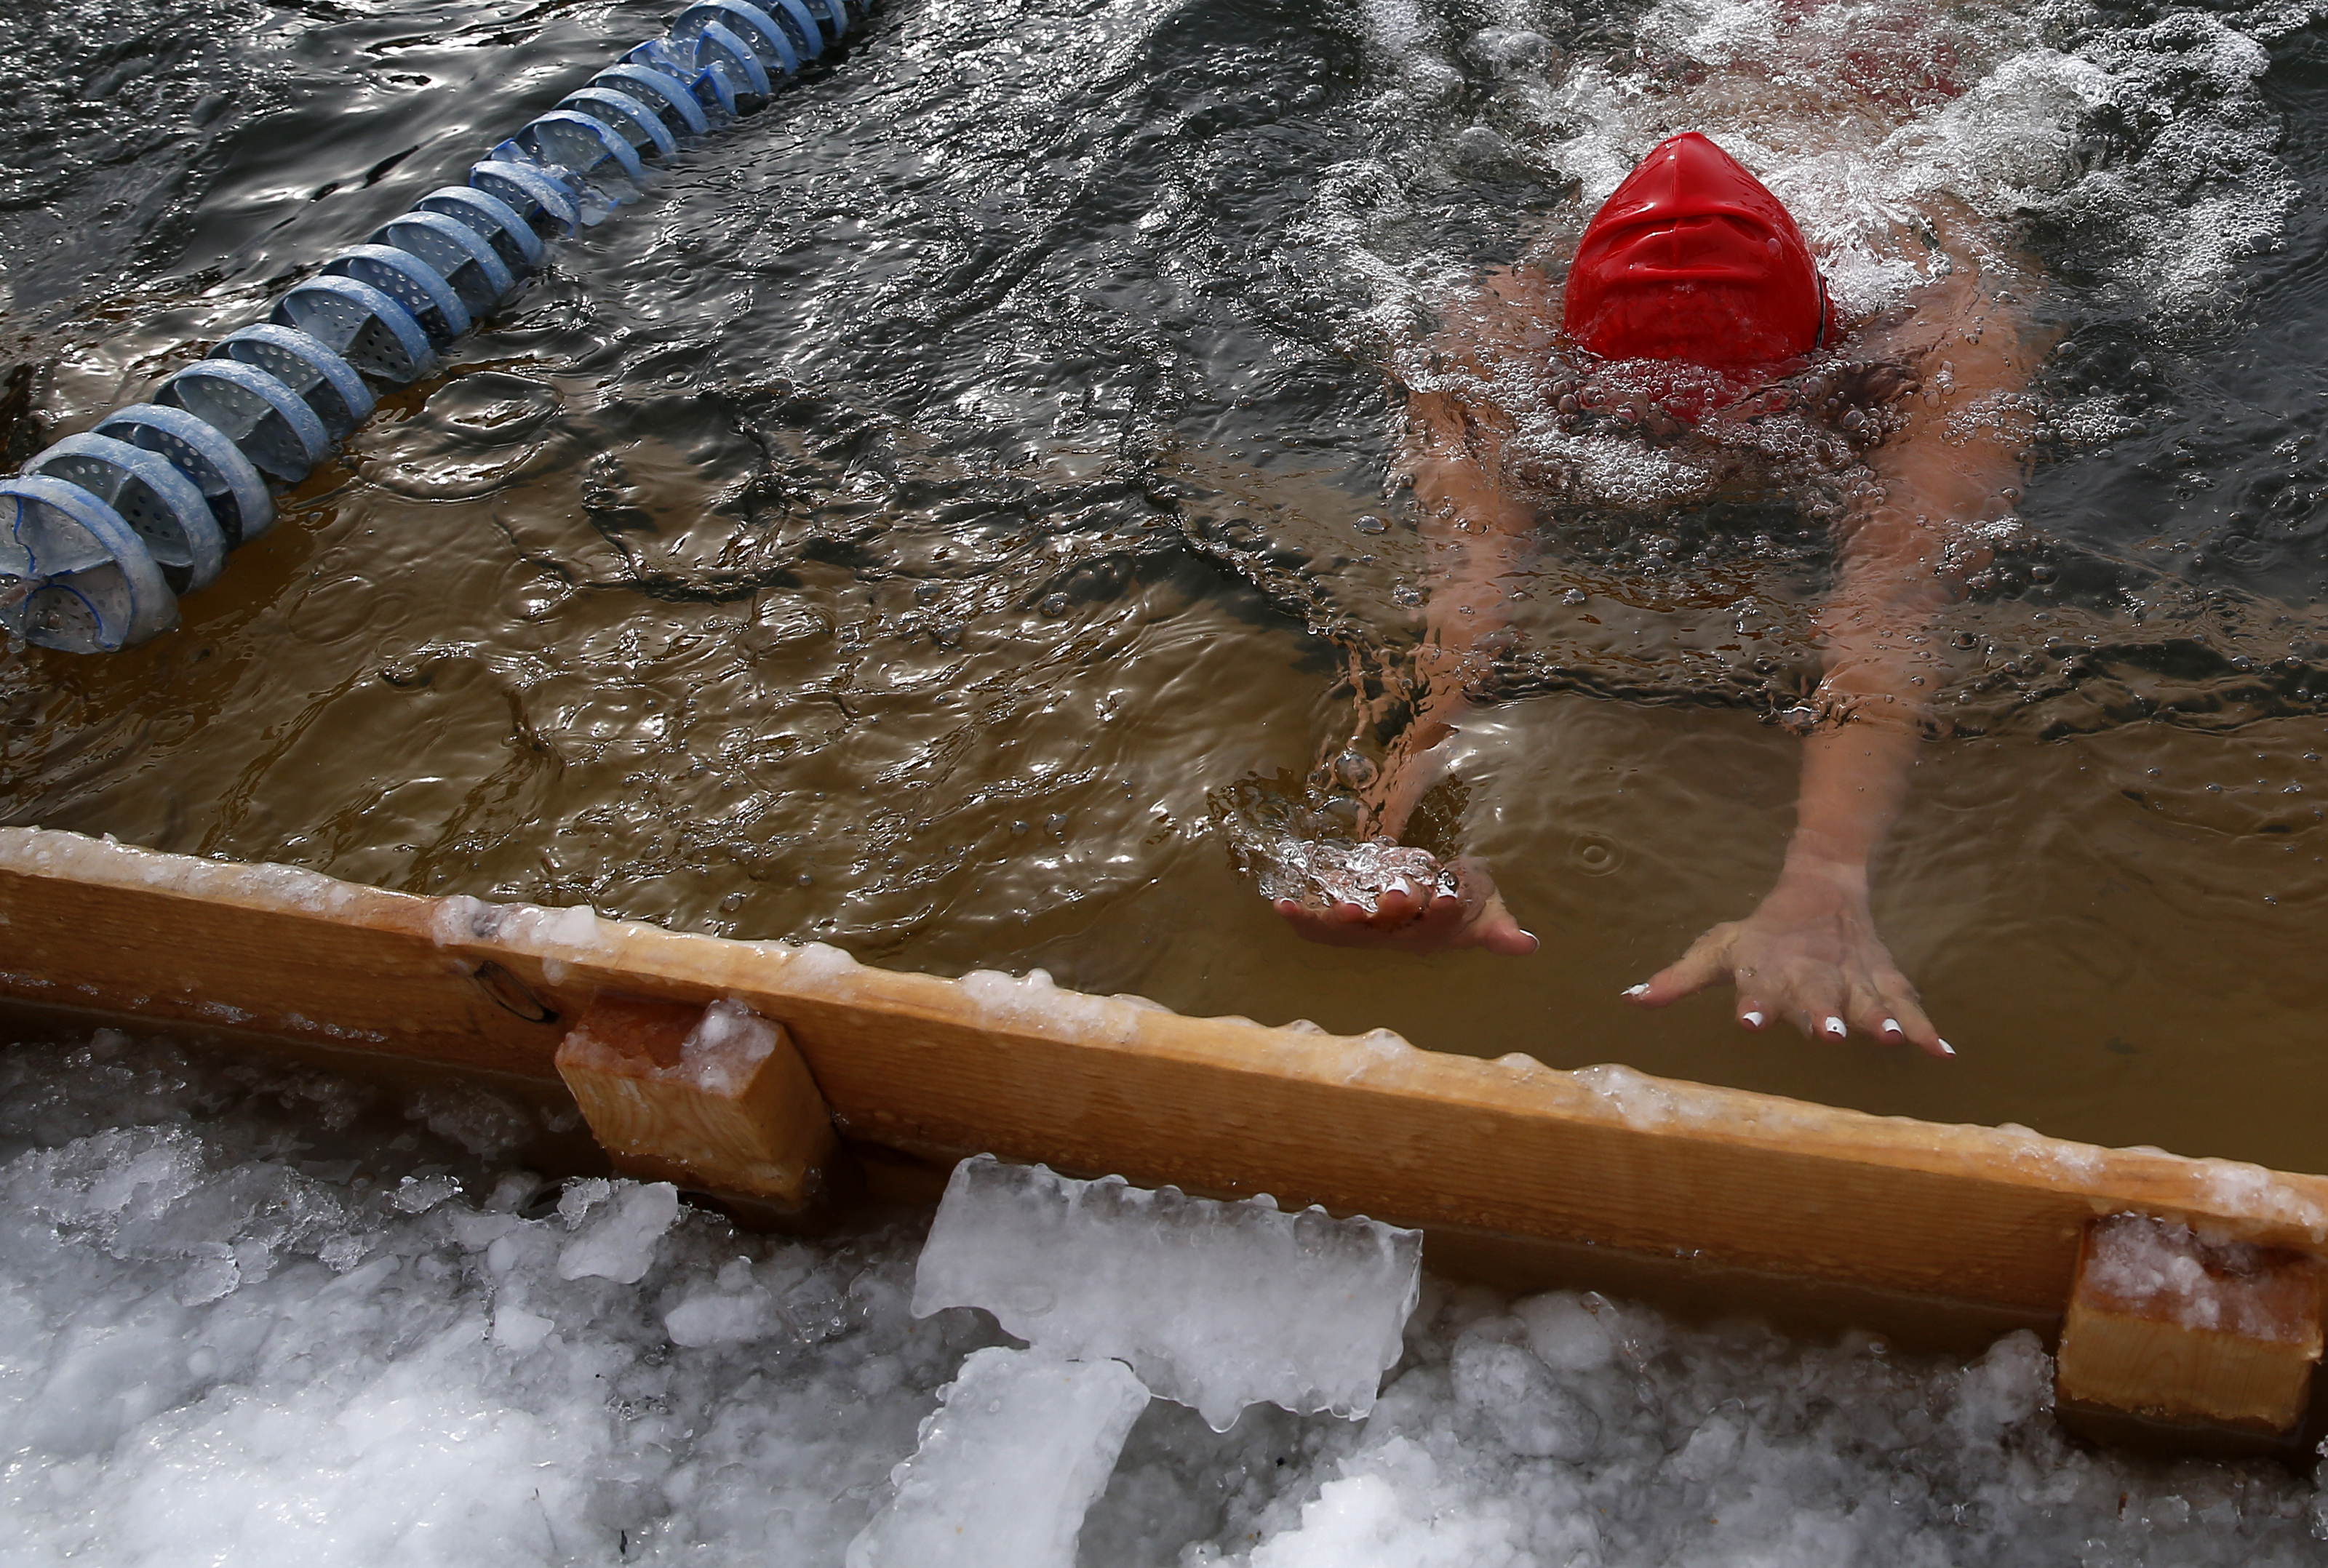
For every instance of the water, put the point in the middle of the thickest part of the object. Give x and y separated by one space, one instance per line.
955 500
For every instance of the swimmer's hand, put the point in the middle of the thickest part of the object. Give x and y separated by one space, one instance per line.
1427 920
1808 954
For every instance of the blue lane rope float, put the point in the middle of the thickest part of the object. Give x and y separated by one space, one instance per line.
101 532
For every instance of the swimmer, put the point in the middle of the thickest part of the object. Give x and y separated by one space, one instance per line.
1695 278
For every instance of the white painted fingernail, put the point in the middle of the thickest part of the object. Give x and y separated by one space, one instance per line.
1946 1050
1835 1027
1751 1020
1891 1026
1641 989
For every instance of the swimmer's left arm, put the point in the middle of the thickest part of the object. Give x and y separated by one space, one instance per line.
1810 953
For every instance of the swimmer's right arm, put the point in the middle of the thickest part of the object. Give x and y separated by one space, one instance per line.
1478 538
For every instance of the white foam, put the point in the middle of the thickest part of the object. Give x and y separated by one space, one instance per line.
1216 1305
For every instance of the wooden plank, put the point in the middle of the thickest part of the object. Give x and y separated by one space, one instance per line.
938 1069
715 1100
2165 1325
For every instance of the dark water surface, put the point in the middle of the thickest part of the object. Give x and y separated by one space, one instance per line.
903 527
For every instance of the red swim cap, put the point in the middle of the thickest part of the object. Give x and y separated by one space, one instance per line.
1693 258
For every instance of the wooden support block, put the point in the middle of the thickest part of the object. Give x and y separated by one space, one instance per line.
2168 1327
712 1098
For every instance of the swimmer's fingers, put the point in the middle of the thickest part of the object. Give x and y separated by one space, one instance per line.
1478 909
1893 1015
1820 1010
1397 906
1708 962
1463 911
1779 986
1391 910
1885 1007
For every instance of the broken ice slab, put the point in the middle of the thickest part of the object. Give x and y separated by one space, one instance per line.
1008 1465
1216 1305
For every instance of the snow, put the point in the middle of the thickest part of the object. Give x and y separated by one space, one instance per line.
256 1314
1007 1467
1217 1305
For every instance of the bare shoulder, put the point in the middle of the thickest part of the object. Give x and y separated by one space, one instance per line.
1512 311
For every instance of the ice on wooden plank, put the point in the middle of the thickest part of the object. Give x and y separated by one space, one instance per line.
718 1055
1216 1305
1008 1465
1036 1002
2160 1270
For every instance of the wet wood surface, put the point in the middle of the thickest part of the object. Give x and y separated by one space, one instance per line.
918 1071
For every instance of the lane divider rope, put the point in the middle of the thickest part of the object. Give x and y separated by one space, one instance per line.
100 532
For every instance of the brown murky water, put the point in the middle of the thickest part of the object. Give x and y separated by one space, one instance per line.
896 532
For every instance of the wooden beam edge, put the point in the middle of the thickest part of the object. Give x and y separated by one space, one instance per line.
575 952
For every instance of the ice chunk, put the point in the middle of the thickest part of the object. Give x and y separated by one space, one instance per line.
620 1244
1008 1466
1319 873
516 1329
715 1318
727 1048
1364 1521
1216 1305
482 1122
1521 1400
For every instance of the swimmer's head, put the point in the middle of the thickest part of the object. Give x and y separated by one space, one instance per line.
1693 258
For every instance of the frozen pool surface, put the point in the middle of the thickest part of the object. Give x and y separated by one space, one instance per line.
252 1315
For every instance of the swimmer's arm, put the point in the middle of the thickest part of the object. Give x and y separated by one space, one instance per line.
1810 953
1477 538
